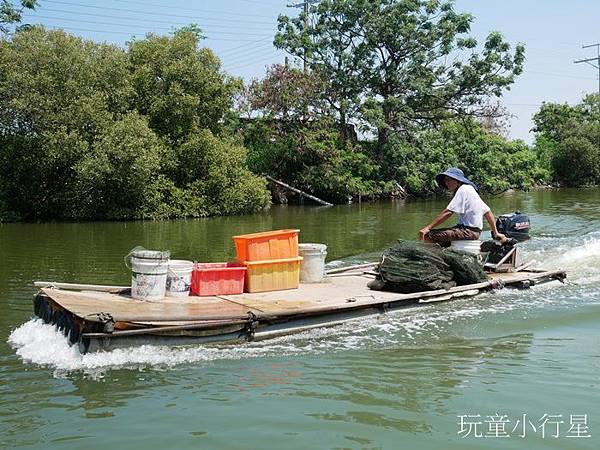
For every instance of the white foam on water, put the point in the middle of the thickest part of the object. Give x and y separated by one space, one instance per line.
42 344
580 256
586 255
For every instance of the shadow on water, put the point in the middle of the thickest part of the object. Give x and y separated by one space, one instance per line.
418 380
35 410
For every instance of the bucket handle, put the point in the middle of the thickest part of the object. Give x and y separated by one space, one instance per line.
127 257
187 285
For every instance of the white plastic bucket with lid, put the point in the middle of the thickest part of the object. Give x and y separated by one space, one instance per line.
148 273
312 267
469 246
179 278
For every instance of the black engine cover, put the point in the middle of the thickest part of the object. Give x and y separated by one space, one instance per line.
514 225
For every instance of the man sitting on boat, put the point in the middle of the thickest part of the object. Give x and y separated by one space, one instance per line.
471 210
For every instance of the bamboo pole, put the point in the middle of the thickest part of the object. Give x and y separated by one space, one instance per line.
79 287
153 330
298 191
348 268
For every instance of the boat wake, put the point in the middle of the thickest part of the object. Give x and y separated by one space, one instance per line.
581 258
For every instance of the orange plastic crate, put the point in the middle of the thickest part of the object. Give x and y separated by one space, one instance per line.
273 275
267 246
218 279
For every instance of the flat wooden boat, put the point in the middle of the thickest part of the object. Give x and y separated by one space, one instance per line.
106 317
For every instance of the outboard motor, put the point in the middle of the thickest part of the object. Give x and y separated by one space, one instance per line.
496 255
514 225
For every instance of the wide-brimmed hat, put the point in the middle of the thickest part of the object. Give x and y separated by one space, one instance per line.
457 174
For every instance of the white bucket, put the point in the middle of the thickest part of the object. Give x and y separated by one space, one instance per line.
312 267
469 246
179 278
148 274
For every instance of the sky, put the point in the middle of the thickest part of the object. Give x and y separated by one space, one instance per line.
241 34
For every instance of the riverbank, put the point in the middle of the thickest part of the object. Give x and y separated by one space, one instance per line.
409 199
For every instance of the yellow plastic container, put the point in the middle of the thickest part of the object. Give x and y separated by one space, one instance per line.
267 246
272 275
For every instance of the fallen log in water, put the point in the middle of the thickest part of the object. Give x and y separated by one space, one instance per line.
298 191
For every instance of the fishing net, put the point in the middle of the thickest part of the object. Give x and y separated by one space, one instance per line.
466 267
417 266
414 266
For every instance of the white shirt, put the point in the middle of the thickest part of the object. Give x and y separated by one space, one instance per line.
469 206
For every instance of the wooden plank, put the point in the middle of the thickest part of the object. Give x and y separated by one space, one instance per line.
516 277
522 267
504 265
331 294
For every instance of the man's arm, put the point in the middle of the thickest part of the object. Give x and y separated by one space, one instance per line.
489 216
441 218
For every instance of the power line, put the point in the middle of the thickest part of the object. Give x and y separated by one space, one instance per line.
241 50
251 57
108 16
255 2
554 74
191 9
531 105
106 8
130 34
154 27
589 61
231 69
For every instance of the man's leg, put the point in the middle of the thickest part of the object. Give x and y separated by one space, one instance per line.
444 236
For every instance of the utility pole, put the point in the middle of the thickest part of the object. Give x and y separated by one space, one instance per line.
589 60
305 4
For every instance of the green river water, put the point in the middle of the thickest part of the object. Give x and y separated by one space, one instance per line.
526 363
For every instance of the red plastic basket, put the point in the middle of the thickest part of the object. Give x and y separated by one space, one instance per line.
218 279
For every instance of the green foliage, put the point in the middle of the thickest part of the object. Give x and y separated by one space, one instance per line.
311 156
12 15
415 163
214 169
576 155
568 140
124 159
491 161
54 80
577 161
393 68
58 92
179 85
91 131
287 93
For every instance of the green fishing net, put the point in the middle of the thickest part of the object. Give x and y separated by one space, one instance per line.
417 266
